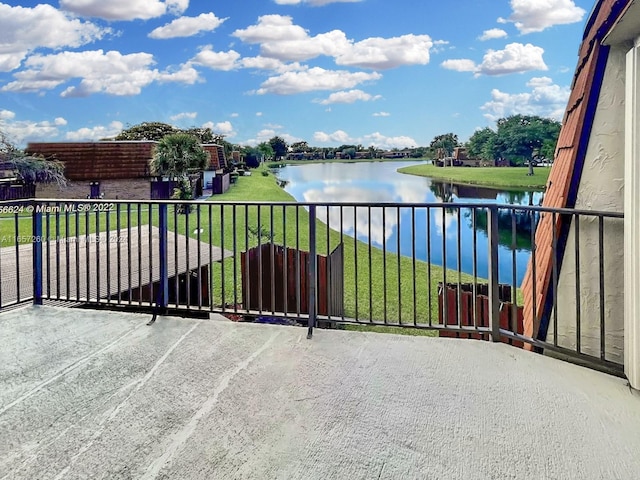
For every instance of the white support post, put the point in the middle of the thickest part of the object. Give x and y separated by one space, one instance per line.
632 218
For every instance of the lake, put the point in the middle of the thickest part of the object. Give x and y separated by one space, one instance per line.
379 182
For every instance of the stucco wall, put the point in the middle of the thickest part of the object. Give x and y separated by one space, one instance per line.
601 188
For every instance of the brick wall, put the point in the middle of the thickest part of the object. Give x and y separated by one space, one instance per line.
131 189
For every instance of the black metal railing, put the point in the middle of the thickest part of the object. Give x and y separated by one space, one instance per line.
451 269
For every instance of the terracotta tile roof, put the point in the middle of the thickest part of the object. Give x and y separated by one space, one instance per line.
568 164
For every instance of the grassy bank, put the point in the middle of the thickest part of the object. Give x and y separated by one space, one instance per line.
383 289
500 177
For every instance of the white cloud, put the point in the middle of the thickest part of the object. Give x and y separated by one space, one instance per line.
535 16
224 128
460 65
188 26
95 133
25 29
279 38
273 64
234 115
382 114
124 9
492 34
382 141
111 73
337 137
385 53
183 115
545 99
350 96
21 132
224 61
258 114
515 58
316 78
376 139
7 115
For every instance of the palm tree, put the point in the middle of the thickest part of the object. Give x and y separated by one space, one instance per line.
176 155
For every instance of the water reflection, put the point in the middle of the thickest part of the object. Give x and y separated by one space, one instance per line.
419 230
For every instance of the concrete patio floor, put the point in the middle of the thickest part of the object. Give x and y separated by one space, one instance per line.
96 394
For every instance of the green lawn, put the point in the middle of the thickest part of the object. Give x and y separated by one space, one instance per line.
502 177
366 289
380 289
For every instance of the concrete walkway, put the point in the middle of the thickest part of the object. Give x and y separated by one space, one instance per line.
94 394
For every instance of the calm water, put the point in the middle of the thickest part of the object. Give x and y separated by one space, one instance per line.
377 182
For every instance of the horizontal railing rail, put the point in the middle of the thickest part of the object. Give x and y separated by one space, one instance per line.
448 269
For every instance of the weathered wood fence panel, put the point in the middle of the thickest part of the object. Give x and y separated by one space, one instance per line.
272 267
510 319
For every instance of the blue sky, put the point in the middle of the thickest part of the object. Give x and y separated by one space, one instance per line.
329 72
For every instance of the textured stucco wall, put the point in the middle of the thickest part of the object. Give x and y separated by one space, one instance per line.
601 188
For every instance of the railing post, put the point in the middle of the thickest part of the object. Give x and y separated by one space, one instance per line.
494 300
311 270
164 271
37 254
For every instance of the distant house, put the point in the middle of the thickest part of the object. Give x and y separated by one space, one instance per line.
109 169
118 169
596 167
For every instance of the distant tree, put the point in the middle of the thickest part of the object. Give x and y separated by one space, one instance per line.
147 131
205 135
266 149
349 153
177 154
279 146
446 142
519 136
299 147
30 169
482 144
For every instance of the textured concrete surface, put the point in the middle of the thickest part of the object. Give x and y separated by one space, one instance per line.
87 394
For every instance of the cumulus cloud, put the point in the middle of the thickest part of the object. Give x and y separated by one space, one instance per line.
514 58
95 133
112 73
224 128
385 53
272 64
183 115
281 39
460 65
350 96
316 78
382 114
529 16
376 139
384 142
492 34
188 26
224 61
545 99
23 131
337 137
124 9
25 29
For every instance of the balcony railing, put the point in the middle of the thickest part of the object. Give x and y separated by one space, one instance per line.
446 269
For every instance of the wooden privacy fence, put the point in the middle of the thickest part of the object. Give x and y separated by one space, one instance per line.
510 319
272 268
17 191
